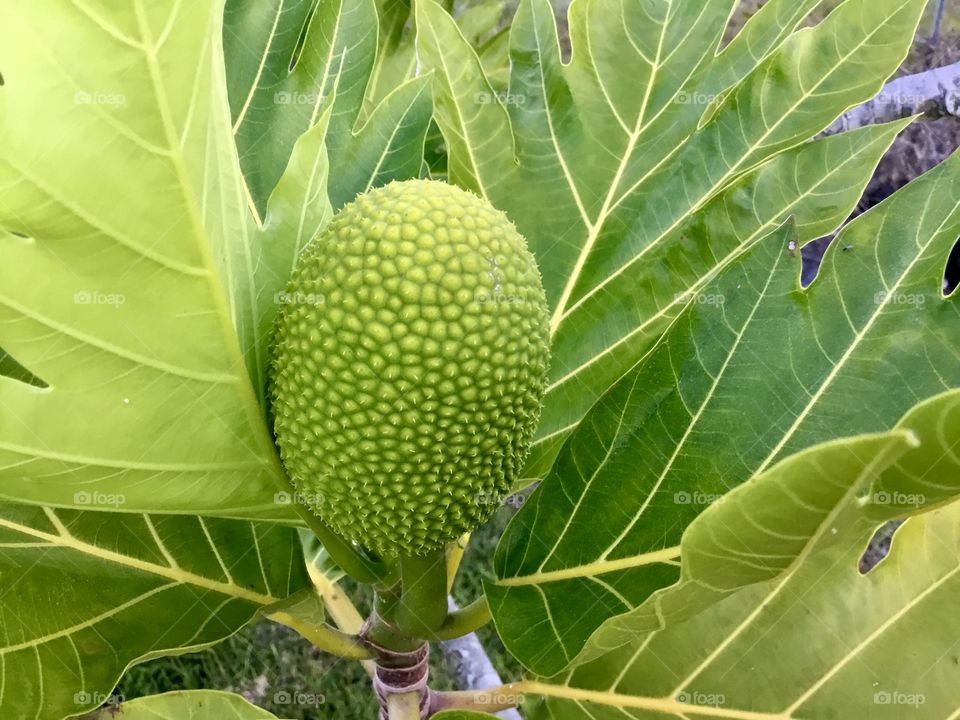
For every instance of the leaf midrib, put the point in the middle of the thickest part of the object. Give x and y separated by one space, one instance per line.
231 340
594 228
617 700
600 567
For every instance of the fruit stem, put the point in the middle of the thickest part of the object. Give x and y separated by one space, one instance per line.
382 629
422 609
464 621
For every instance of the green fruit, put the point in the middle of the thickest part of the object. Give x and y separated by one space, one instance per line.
409 366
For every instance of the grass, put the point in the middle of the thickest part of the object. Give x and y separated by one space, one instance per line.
276 669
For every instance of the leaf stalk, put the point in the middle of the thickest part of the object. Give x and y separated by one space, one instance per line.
327 638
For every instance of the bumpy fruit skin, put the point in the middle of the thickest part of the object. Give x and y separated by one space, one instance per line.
409 366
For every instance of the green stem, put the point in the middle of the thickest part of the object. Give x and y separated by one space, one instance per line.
339 607
326 638
383 630
422 609
464 621
489 701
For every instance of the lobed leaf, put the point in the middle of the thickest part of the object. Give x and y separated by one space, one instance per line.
90 593
121 191
778 560
286 61
755 369
617 144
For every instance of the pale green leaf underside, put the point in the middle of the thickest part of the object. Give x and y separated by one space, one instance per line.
129 276
88 594
806 635
610 144
188 705
755 369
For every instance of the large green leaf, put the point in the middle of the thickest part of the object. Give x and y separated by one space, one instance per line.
86 594
628 142
285 60
743 539
128 283
791 628
187 705
125 376
136 300
756 368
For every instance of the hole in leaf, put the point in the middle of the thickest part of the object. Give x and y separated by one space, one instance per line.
879 546
812 256
951 273
9 367
302 39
